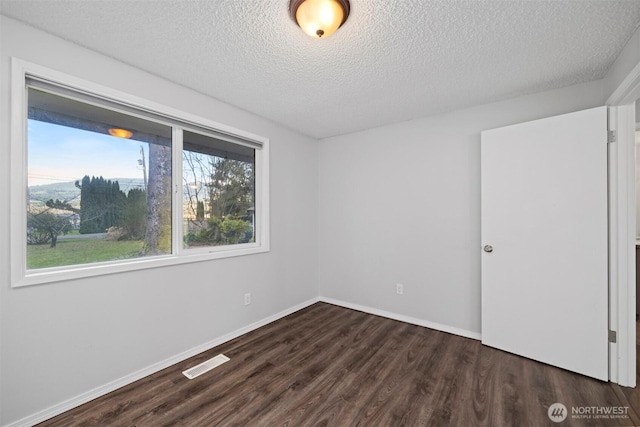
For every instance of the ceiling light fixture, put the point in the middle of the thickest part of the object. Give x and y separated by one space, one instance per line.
319 18
120 133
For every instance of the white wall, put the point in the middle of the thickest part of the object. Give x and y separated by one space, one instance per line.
401 204
64 339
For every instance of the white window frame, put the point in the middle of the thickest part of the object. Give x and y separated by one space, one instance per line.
20 276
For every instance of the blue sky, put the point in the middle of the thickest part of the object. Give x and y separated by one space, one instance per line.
59 154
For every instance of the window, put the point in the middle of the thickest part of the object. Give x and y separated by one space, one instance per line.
218 189
107 182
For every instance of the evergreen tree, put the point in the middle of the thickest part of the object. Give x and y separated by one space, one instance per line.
134 219
200 211
101 204
231 188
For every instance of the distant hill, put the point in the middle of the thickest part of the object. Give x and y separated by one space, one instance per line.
67 191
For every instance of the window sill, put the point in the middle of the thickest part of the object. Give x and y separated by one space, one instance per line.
59 274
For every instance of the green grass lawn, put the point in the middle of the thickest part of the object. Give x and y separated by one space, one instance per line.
70 252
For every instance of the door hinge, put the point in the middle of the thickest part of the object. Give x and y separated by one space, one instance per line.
612 336
612 136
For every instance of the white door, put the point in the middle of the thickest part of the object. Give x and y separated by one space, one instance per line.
544 216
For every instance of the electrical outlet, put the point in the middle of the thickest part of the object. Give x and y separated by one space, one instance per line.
247 298
399 289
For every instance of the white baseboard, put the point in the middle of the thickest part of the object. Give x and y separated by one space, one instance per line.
58 409
407 319
62 407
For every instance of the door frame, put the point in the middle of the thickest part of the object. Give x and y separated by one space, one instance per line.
622 230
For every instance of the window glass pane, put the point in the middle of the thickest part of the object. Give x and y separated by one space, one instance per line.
94 197
218 191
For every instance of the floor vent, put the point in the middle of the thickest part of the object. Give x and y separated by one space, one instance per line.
205 366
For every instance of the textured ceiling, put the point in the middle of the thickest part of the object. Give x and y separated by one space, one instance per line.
391 61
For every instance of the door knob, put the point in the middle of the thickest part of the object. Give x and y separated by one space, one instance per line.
488 248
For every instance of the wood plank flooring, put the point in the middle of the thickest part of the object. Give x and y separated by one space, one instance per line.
330 366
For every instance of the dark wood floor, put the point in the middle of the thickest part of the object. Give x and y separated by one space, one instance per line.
330 366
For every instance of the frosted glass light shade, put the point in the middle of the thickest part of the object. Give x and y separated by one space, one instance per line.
319 18
120 133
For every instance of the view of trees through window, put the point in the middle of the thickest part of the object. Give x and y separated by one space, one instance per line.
218 193
100 189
